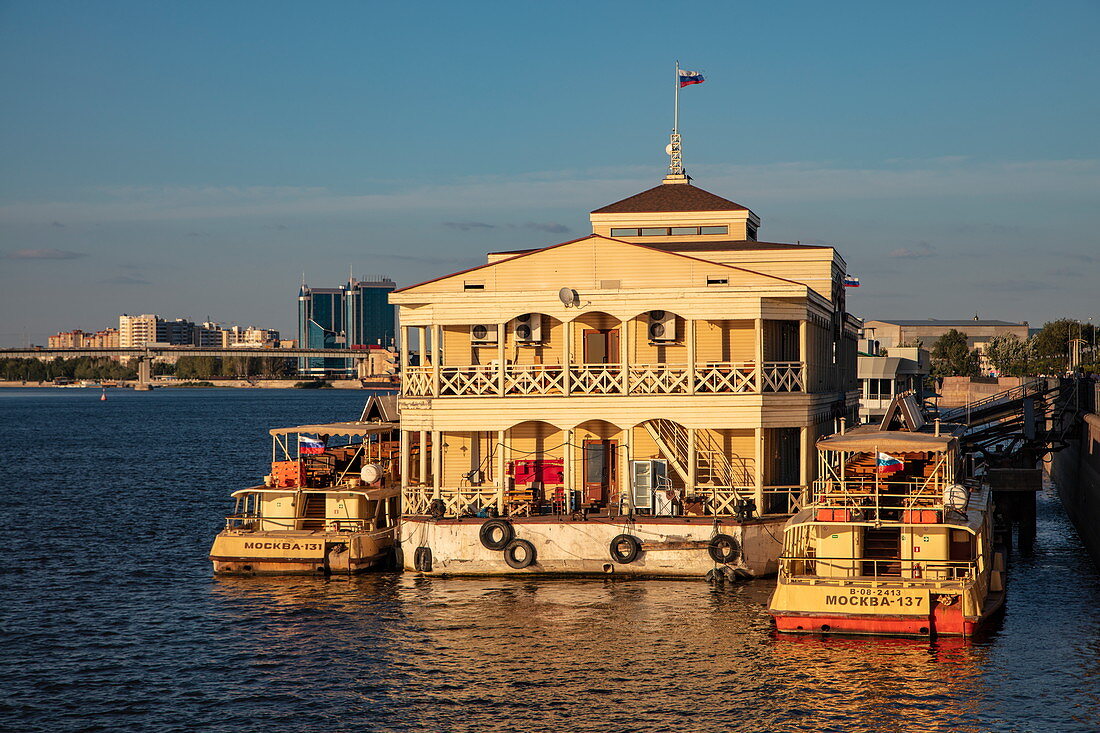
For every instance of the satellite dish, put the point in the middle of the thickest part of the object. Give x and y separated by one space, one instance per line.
568 296
668 149
370 473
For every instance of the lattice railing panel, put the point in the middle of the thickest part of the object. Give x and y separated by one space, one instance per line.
534 379
468 381
658 379
729 377
596 379
784 376
417 381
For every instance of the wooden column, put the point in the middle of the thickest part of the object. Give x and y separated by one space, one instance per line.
500 357
624 356
422 474
567 356
759 492
805 465
567 469
803 351
404 359
692 480
501 463
625 452
403 466
437 461
690 338
437 352
759 355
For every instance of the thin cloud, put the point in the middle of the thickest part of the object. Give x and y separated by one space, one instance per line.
44 254
466 226
920 252
125 280
1012 286
57 224
549 227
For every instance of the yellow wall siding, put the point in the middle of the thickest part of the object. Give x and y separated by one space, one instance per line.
725 341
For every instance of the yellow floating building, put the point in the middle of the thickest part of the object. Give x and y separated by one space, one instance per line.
643 400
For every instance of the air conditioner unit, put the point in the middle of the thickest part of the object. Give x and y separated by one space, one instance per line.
662 325
483 334
528 328
646 478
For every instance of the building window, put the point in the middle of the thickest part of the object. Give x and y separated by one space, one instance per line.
717 280
624 232
473 285
879 389
714 230
655 232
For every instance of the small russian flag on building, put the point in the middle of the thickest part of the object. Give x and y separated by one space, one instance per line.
851 281
308 446
886 463
690 77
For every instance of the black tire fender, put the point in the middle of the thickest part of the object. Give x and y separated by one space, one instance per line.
625 549
489 534
520 554
724 549
422 559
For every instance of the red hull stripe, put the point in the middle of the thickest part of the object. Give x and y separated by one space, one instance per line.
911 626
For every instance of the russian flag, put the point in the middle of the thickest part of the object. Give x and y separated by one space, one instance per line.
886 463
308 446
690 77
851 281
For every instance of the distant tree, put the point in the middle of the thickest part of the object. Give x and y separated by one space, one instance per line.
1009 355
951 357
1052 343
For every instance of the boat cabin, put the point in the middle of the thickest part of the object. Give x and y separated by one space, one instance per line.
326 477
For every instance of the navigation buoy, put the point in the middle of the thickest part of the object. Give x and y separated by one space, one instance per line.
103 396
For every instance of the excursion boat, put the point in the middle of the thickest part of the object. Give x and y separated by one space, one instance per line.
895 541
329 506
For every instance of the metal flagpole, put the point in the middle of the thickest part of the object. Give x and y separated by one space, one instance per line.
676 106
675 162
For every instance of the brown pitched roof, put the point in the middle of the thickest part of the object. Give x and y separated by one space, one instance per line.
671 197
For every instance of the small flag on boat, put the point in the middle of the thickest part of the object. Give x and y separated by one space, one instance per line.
308 446
851 281
690 77
886 463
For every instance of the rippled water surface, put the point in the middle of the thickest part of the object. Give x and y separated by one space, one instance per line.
111 620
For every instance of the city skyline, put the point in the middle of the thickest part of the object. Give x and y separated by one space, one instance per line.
195 160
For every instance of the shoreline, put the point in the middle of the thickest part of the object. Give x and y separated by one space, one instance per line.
216 384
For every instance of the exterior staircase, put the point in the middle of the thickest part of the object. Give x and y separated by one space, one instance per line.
712 464
313 512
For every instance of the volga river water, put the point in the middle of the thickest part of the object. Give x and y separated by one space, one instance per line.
111 620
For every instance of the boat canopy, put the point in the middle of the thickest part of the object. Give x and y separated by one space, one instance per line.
897 441
339 428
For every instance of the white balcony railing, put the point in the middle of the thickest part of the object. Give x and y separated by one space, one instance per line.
607 379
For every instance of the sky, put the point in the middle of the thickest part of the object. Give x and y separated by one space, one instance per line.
195 159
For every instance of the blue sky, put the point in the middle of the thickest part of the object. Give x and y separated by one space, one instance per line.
193 159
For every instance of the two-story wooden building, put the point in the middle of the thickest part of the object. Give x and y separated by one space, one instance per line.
642 400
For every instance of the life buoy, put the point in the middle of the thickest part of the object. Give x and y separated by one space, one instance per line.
519 554
422 559
625 549
496 534
724 548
